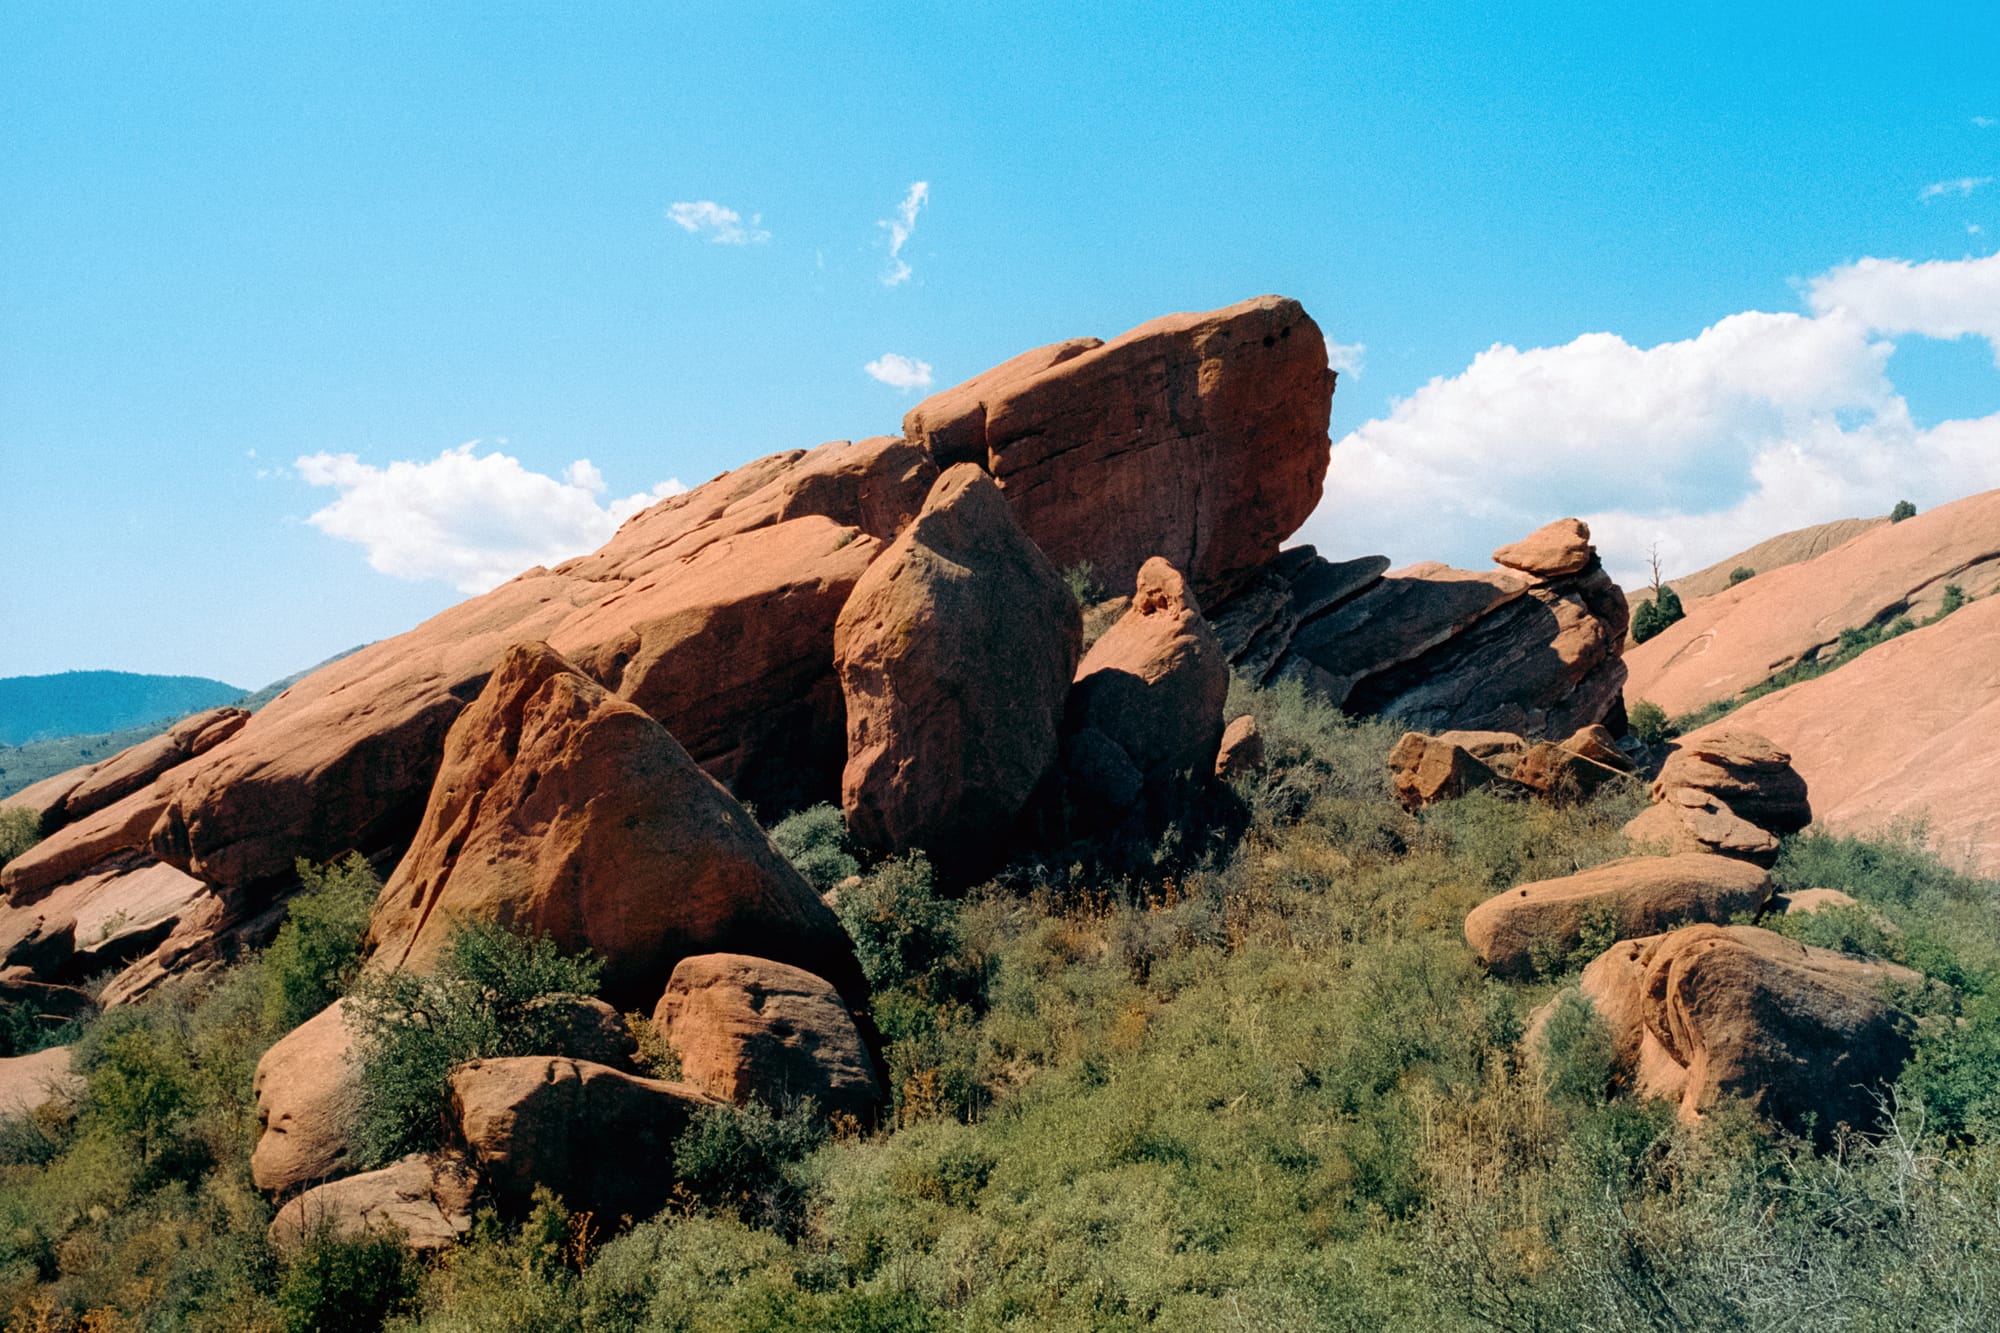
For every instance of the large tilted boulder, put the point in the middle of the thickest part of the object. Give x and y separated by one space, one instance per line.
1198 437
1152 687
1532 647
426 1201
1728 792
1526 928
117 832
1708 1011
955 655
750 1029
308 1091
563 811
601 1139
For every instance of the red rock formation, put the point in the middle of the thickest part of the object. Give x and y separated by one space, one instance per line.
308 1091
750 1029
425 1201
1517 932
1555 550
561 810
71 796
955 655
1242 751
1426 769
1197 437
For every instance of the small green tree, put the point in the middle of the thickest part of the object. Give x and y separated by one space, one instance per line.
1648 721
815 841
1904 509
317 951
411 1031
902 930
347 1284
139 1082
1954 597
1579 1057
19 830
1740 574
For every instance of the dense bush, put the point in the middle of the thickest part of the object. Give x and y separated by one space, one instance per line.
815 841
1648 722
19 830
478 1003
1904 509
1741 574
317 951
1656 613
347 1284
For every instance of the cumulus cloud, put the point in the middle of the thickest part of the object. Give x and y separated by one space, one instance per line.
899 228
722 226
1961 187
1761 423
472 520
1345 357
900 372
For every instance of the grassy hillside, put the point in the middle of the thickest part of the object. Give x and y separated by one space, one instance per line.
76 703
1264 1087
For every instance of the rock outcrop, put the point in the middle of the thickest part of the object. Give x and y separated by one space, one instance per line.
68 797
564 811
1426 769
1512 649
750 1029
1201 438
308 1091
955 656
1152 689
1731 792
1787 548
1805 1036
1530 927
601 1139
425 1200
1743 635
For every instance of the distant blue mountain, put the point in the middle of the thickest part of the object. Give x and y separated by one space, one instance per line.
80 702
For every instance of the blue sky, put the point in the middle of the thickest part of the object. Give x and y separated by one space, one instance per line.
1581 262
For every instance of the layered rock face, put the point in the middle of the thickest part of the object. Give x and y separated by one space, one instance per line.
71 796
1525 929
1533 647
1741 636
955 656
1709 1011
564 811
1201 438
1731 792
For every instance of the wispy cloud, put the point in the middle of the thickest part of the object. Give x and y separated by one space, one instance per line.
900 372
1985 122
1961 187
1761 423
899 229
1345 357
470 520
723 226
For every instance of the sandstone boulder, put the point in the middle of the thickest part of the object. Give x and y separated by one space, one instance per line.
563 811
1596 743
750 1029
955 656
1198 437
1744 771
1426 769
1528 928
118 830
601 1139
1552 551
308 1091
425 1200
1693 821
1154 687
117 911
1560 773
1242 751
1805 1036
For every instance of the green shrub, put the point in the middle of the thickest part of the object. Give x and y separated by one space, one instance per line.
1904 509
139 1081
411 1031
1648 722
1655 614
740 1158
903 932
1740 574
1954 598
19 830
1578 1055
24 1030
338 1284
815 841
317 951
1084 584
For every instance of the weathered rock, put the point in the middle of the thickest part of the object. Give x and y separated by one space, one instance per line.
1596 743
1257 623
1741 636
1520 931
601 1139
1805 1036
116 912
79 848
425 1200
1395 622
29 1081
1744 771
1807 901
955 655
1154 687
587 1029
1426 769
1242 751
565 812
750 1029
1693 821
1197 437
308 1091
1560 773
1552 551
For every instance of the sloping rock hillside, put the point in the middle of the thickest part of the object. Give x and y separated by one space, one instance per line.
1787 548
1743 635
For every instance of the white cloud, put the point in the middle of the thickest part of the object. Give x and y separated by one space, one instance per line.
1961 187
1985 122
1345 357
723 226
900 372
1973 229
1761 423
1945 298
471 520
899 228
